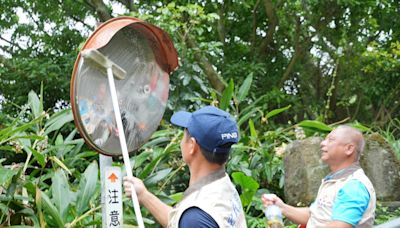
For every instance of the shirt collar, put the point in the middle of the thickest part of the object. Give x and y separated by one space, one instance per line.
343 172
218 174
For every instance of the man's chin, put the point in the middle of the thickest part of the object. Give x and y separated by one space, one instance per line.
323 157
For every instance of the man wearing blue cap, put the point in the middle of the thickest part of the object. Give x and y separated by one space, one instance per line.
211 199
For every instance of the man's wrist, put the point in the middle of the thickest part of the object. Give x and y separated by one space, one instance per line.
145 194
284 208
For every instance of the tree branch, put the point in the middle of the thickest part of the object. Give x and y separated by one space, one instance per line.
128 4
213 77
332 92
11 43
254 35
393 106
335 90
100 8
296 54
89 5
360 97
221 24
75 18
272 24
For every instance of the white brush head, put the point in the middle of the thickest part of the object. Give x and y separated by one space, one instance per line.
97 59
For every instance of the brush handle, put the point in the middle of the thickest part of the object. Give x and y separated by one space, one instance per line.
122 141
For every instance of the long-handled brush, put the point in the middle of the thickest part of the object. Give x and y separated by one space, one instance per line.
97 59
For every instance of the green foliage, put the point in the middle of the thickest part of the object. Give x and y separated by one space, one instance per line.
62 194
382 66
384 214
87 187
280 65
291 53
56 183
248 187
37 186
227 96
311 126
391 135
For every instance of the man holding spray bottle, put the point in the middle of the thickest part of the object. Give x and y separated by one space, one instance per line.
346 197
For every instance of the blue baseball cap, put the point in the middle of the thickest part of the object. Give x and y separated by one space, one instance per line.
210 126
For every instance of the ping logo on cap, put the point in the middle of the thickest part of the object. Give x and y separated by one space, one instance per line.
210 126
232 135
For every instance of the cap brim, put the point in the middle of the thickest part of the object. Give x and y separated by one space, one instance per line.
181 118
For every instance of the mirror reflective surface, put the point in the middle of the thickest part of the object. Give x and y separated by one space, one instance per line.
142 95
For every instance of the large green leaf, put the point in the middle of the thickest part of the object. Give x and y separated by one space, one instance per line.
248 185
247 197
6 176
163 133
245 87
3 209
71 135
177 197
276 111
245 182
29 213
30 137
157 176
360 127
315 125
22 139
87 187
245 117
254 105
61 193
149 168
227 96
58 120
13 130
39 156
253 132
59 140
35 104
61 164
140 158
48 206
156 141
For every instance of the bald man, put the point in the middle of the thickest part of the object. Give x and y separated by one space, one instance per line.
346 197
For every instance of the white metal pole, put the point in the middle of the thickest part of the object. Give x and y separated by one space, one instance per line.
124 148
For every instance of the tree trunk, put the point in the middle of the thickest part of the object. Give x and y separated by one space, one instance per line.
213 77
101 9
272 23
221 24
254 30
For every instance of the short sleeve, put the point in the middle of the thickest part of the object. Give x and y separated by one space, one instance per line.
195 217
351 202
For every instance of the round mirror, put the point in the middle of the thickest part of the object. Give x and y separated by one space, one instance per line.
147 56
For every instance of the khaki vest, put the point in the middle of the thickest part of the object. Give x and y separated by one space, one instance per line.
216 195
321 209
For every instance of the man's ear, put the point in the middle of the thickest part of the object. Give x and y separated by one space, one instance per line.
350 149
194 146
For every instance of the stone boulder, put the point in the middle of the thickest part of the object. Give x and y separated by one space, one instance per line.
382 167
304 170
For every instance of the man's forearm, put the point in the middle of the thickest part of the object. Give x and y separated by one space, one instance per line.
157 208
299 215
